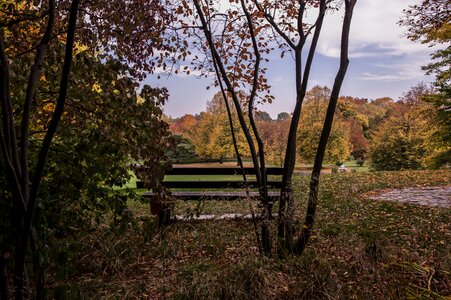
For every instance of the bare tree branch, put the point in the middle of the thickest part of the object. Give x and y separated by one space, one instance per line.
276 27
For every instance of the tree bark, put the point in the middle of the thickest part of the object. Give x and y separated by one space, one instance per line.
314 181
286 207
21 250
4 288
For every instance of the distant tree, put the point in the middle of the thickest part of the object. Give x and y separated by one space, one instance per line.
183 150
359 142
397 145
437 138
213 139
262 116
216 105
350 111
185 126
338 147
385 102
274 135
430 23
283 116
401 141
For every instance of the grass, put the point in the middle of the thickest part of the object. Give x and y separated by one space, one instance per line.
130 185
132 182
361 249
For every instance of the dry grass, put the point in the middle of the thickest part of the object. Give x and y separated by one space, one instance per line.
361 249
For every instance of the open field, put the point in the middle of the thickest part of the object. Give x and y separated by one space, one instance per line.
361 249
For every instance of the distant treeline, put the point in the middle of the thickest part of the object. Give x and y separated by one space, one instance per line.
392 135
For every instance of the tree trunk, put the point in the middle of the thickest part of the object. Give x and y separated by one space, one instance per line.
24 234
4 288
314 181
286 208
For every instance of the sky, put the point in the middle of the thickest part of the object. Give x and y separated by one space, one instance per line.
383 62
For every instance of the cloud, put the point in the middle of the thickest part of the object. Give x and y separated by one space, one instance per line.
374 23
391 73
386 77
184 71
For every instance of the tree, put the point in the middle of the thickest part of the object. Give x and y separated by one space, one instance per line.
235 47
41 37
338 147
293 33
274 135
401 141
213 140
283 116
217 104
236 59
184 150
15 150
430 23
185 126
358 140
397 145
352 111
262 116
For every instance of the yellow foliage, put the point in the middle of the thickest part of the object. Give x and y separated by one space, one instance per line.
96 88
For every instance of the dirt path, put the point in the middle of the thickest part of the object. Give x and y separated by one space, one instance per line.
429 196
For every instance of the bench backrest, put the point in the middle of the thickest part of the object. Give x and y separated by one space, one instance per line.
213 184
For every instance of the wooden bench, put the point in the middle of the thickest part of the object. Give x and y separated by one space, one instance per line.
222 189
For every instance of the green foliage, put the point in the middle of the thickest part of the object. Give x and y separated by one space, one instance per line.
106 126
283 116
412 136
395 147
183 151
429 22
360 163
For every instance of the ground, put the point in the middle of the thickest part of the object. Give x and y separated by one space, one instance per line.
428 196
361 249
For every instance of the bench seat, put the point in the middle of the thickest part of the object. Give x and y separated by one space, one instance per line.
219 195
217 184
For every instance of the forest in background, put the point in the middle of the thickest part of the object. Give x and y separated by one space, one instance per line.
385 133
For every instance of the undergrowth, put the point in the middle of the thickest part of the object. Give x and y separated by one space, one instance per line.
361 249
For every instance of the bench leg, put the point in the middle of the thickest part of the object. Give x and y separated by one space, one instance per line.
162 210
164 216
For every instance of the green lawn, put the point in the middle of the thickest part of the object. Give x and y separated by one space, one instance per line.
132 182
